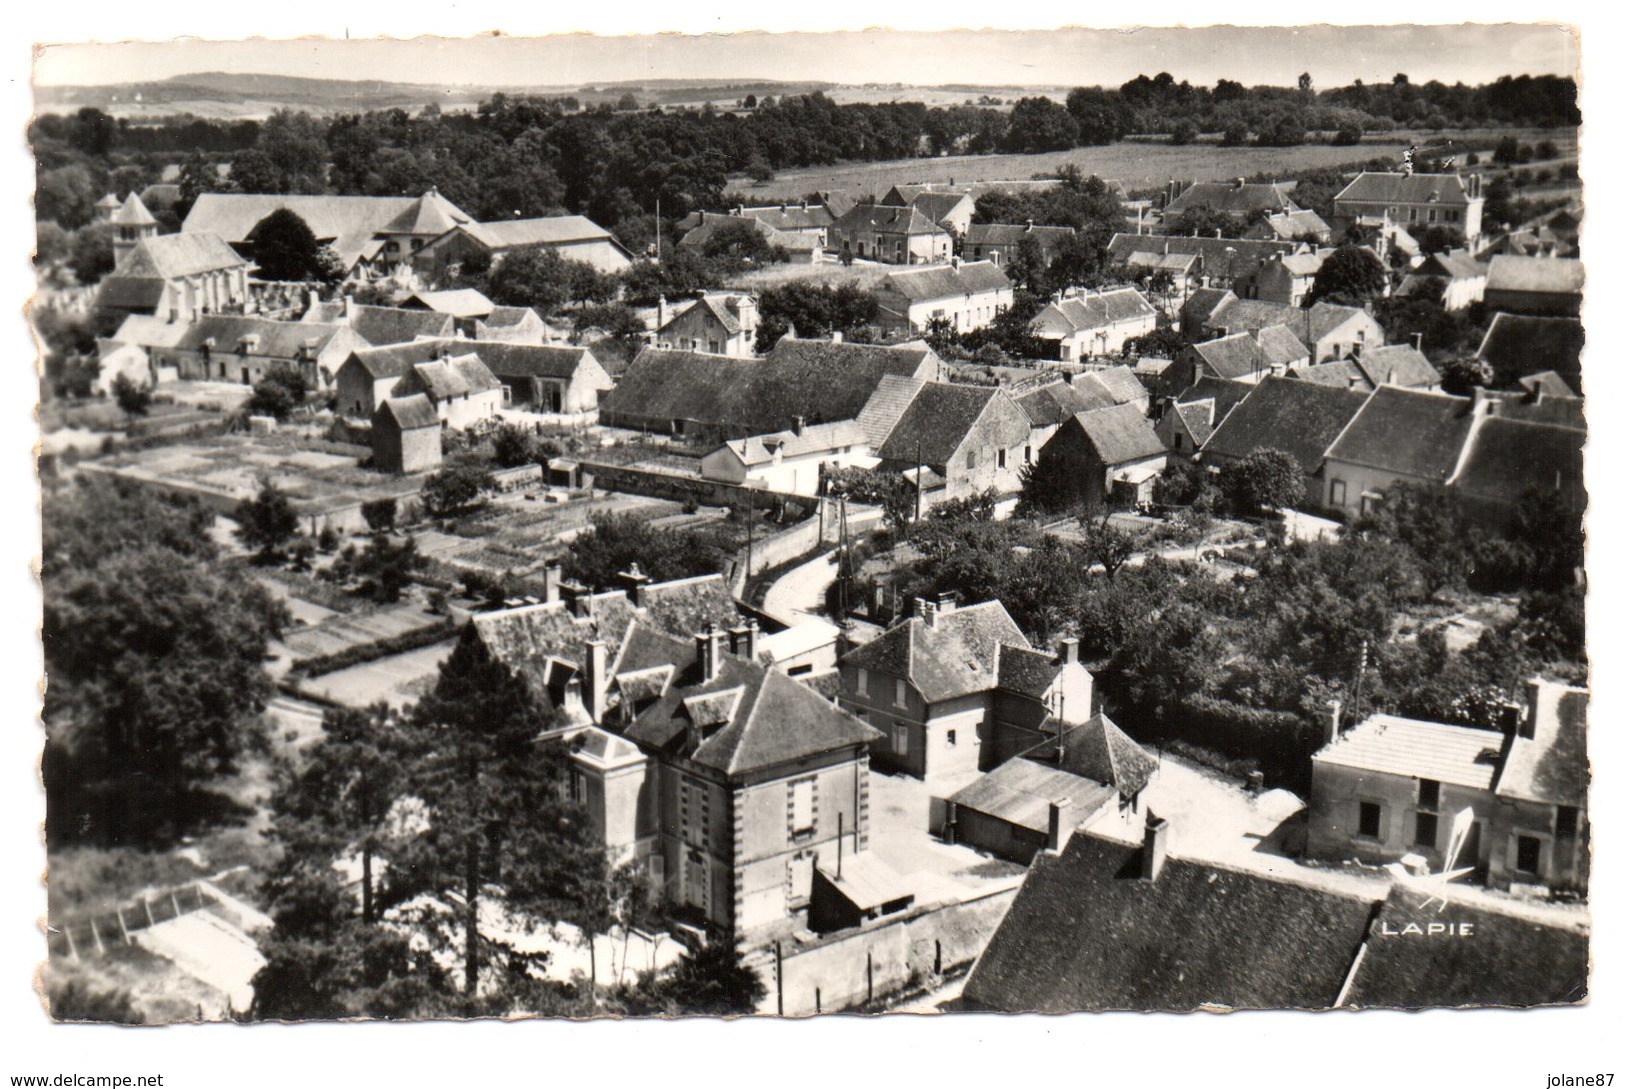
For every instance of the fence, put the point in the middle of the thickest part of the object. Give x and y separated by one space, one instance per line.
93 934
883 960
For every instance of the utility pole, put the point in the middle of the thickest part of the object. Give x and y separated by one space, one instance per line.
919 476
1359 679
750 532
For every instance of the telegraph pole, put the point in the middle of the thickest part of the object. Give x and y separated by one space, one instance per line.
1359 679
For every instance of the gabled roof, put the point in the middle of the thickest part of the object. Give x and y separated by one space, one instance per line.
1547 383
887 219
1197 416
1246 354
1375 187
1223 392
1519 344
463 302
1508 457
175 256
1120 434
1407 432
937 206
1509 960
1544 275
1097 310
233 216
1020 792
817 439
711 223
791 217
509 360
275 339
149 331
1454 264
1053 403
938 421
458 376
1011 234
1027 671
957 654
1551 767
1087 932
1228 257
1231 198
502 317
1337 373
1097 750
410 413
394 360
132 213
886 406
1201 304
750 718
502 234
381 325
430 214
714 305
932 282
1300 224
1398 365
1298 418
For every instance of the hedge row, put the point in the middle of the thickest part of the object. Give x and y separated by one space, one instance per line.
416 639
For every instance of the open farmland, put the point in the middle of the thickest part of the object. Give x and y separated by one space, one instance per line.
1137 164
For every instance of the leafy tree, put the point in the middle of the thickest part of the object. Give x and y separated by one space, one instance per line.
1048 486
132 398
1431 522
1201 221
1110 547
815 310
512 445
454 488
78 1000
1163 343
379 513
1040 124
713 981
92 255
1101 117
285 248
623 331
52 245
1351 276
277 394
615 541
1262 481
1348 134
1235 134
735 245
545 281
387 568
267 522
154 652
1184 132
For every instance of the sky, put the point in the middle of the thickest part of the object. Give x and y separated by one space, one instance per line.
1333 55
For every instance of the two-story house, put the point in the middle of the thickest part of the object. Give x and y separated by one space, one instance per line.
967 296
1415 200
1110 456
721 323
891 235
237 348
788 462
1093 323
998 242
973 437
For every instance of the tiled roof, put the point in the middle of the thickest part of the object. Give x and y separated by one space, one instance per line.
1120 434
956 656
1087 932
887 219
1097 310
1548 383
1201 304
430 214
1027 671
946 281
1407 432
1054 403
819 438
381 325
394 360
1393 188
1508 457
1224 393
130 293
233 216
149 331
1197 417
1020 792
461 303
174 256
1410 747
411 412
1508 960
1309 326
276 339
938 421
1230 198
751 717
505 316
1298 418
936 206
1239 355
1455 264
1546 275
1551 767
1338 373
132 213
711 223
1178 263
1301 224
508 360
1398 365
886 406
1099 751
715 305
459 376
791 217
1011 234
1517 344
503 234
1228 257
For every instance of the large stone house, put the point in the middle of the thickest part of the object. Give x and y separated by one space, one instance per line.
1300 419
1094 323
967 296
1415 200
1508 801
540 377
242 349
462 389
1110 456
998 242
1547 286
973 438
891 235
719 323
406 435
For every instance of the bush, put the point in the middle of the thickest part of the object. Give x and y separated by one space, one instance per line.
379 513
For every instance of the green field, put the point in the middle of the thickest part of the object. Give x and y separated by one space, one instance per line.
1136 164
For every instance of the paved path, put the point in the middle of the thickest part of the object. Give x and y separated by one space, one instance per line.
799 593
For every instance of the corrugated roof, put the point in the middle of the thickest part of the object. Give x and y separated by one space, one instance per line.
1298 418
1459 755
932 282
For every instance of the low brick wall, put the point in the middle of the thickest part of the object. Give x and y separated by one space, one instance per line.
897 955
682 487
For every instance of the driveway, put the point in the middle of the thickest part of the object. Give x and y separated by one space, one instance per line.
798 594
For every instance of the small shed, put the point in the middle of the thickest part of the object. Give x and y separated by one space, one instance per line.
853 890
406 435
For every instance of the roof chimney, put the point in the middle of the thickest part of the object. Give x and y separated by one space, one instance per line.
798 424
836 337
1333 720
1527 724
597 680
1029 224
1155 852
1057 831
708 648
552 572
634 580
1069 651
577 598
1537 392
926 609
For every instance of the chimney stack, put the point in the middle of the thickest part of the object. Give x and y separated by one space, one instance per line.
927 611
1029 225
1527 723
1069 651
597 686
1155 851
552 574
708 647
798 424
747 648
1333 720
1057 837
634 580
577 598
836 337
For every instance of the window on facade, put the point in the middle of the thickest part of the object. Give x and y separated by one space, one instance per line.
578 786
900 693
953 738
1528 854
1370 820
801 804
1427 829
970 460
1427 794
863 681
1568 821
1179 441
1340 492
899 739
1001 457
